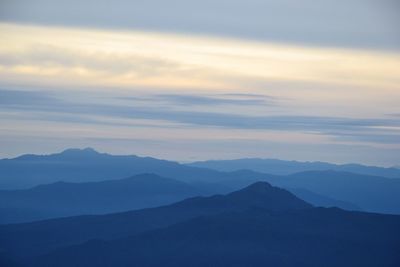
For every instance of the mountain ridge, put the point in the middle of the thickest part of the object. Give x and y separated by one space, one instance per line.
28 239
375 194
287 167
62 199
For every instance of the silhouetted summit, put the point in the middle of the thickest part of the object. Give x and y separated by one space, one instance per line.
81 152
30 239
257 226
264 195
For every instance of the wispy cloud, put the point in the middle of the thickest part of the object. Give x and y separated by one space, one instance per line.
357 23
373 130
132 85
81 57
208 100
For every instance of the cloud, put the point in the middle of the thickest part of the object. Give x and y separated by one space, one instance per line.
220 99
357 23
44 55
25 99
163 86
373 130
384 137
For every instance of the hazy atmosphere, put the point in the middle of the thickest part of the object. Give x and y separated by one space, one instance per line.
208 133
189 80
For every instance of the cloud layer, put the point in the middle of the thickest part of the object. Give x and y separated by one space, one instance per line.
44 106
354 23
178 96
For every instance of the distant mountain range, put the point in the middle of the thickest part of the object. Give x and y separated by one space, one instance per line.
88 165
259 225
283 167
371 193
62 199
85 165
80 170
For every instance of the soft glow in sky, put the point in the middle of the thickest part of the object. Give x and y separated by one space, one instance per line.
129 59
182 96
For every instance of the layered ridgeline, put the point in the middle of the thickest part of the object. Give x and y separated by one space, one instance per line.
28 240
77 165
317 237
87 165
257 226
63 199
321 188
284 167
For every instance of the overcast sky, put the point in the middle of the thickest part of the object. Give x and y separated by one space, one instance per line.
191 80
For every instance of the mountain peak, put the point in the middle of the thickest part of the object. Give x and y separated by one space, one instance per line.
87 150
262 194
79 152
258 187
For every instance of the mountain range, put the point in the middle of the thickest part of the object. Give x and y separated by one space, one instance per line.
39 187
77 165
255 226
87 165
284 167
62 199
29 239
255 237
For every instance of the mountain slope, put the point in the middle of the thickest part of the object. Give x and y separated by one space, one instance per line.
369 193
67 199
86 165
322 201
255 237
31 239
63 199
283 167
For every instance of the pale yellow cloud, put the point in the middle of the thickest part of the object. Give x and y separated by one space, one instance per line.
67 56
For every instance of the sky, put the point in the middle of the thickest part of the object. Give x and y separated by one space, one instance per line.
194 80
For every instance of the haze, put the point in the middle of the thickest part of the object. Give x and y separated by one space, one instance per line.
187 81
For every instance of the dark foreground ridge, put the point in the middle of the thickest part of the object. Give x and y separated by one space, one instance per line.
257 226
255 237
31 239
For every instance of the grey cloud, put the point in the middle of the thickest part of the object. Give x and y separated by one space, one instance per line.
25 99
216 100
366 137
354 23
248 95
205 99
345 128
